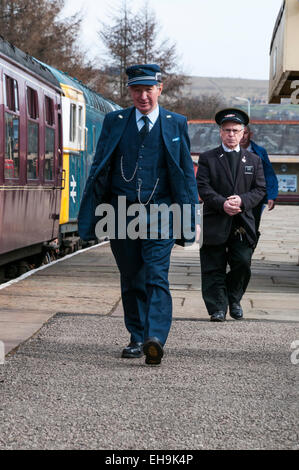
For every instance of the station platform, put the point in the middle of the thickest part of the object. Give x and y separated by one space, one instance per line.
220 386
88 282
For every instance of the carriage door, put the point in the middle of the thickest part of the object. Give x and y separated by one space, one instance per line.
77 126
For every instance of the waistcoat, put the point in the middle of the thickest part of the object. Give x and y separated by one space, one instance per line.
139 168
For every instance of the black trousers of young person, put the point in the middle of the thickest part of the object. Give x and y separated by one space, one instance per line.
225 271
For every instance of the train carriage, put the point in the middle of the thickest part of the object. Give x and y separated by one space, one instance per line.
83 112
30 154
49 127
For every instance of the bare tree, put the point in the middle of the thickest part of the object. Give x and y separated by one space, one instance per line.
135 39
119 38
10 14
147 31
151 48
34 26
201 107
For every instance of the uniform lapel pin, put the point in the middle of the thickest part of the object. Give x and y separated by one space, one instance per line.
168 116
120 116
244 159
221 155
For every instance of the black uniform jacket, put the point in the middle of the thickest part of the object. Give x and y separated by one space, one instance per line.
215 184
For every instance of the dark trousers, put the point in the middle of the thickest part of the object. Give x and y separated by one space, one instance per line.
147 303
219 287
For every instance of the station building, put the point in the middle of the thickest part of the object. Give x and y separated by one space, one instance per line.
284 83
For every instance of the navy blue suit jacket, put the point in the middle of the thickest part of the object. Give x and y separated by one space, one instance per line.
179 163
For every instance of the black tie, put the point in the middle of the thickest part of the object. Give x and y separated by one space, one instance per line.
145 129
233 160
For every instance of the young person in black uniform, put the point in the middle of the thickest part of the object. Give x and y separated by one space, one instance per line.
230 182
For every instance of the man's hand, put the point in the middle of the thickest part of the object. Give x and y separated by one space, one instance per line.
232 205
271 204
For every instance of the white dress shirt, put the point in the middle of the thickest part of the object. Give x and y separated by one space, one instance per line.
152 116
226 149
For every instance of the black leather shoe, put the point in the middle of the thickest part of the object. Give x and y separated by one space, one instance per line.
132 351
153 351
235 311
218 316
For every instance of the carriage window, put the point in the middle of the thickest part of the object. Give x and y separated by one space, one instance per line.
32 155
11 94
49 105
80 119
32 103
93 138
49 156
73 123
11 164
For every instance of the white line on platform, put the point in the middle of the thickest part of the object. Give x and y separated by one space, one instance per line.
33 271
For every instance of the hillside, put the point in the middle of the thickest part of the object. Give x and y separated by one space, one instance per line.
255 90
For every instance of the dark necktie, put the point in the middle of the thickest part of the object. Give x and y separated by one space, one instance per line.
145 129
233 160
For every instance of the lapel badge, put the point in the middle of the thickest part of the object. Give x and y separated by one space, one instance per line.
244 159
120 116
168 116
221 155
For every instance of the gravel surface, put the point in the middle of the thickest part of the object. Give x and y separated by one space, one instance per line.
220 386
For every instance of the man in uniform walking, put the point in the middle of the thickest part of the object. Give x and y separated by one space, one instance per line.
231 183
143 155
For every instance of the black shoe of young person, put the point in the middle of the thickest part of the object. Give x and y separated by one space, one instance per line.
132 351
218 316
153 350
235 311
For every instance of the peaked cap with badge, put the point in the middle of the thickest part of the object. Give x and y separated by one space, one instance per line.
233 115
147 74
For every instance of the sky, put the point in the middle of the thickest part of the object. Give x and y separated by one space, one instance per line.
214 38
